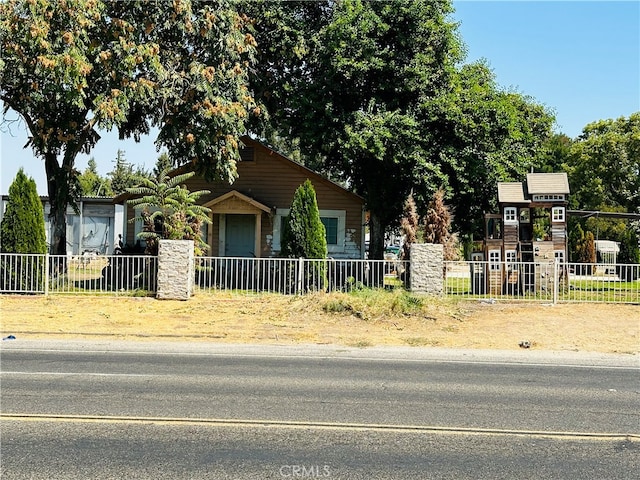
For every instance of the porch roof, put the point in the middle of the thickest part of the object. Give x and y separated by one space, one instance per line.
235 201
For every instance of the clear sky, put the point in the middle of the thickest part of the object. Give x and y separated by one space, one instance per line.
579 58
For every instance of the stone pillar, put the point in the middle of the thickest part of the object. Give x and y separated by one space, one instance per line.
175 269
426 268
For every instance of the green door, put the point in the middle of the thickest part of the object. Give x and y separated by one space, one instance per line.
240 234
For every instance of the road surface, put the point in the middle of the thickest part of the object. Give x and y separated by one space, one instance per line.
104 410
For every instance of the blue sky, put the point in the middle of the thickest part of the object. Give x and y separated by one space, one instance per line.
579 58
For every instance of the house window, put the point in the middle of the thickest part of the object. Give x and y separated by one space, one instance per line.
557 214
543 198
331 228
334 223
559 255
510 215
511 257
494 260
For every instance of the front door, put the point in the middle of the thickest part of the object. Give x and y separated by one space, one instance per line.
240 234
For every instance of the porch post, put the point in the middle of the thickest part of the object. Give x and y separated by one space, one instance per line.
258 236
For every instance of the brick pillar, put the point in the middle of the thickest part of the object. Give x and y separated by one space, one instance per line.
426 268
175 269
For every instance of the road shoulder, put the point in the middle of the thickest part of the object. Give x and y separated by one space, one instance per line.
430 354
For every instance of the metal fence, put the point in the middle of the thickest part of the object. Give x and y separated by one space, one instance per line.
543 281
297 276
136 274
78 274
129 274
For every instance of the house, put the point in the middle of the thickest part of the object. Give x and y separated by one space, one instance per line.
94 229
247 215
531 228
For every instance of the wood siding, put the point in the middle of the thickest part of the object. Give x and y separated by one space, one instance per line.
272 180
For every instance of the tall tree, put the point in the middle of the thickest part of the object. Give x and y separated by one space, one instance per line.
365 73
285 33
92 184
163 165
71 67
555 154
123 176
479 134
378 99
604 165
22 229
303 233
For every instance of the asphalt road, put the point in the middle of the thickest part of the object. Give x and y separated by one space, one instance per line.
102 410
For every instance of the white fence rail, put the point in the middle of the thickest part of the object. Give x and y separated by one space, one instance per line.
297 276
24 273
543 281
78 274
117 274
513 281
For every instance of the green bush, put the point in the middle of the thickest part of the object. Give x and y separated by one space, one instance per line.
303 233
22 231
22 228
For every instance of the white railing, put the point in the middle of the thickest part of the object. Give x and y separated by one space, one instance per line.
78 274
23 273
543 281
551 282
296 276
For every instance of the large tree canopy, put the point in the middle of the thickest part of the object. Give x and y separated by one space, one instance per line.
379 99
366 73
479 134
604 165
71 67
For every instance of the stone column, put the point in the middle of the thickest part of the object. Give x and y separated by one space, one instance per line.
175 269
426 268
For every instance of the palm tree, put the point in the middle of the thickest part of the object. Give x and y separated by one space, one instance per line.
170 211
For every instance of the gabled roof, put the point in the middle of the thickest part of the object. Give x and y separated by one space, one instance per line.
248 141
511 192
554 183
235 195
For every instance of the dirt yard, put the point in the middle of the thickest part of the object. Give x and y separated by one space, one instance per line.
274 319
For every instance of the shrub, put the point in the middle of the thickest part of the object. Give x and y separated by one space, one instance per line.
22 231
303 234
22 228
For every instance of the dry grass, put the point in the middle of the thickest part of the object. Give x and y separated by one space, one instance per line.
363 319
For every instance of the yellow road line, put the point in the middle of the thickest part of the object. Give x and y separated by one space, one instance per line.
221 422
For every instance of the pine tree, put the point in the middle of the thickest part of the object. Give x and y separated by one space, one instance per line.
576 240
437 225
92 184
22 229
163 165
303 233
123 176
